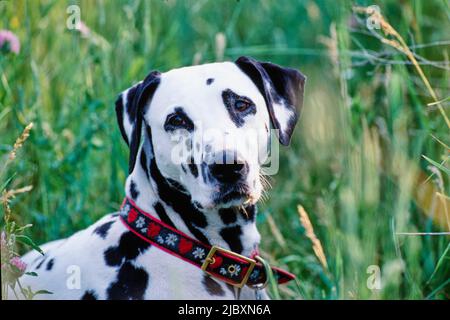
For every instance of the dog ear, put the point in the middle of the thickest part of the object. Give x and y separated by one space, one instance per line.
282 89
130 108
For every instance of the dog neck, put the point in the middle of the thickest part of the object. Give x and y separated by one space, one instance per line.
232 228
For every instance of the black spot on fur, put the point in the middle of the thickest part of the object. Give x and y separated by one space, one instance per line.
175 196
205 171
212 286
89 295
176 185
193 169
231 235
198 205
129 247
230 100
162 214
133 191
50 264
209 81
228 215
102 230
144 163
249 214
42 262
130 284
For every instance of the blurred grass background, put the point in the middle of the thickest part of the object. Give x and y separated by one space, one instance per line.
355 164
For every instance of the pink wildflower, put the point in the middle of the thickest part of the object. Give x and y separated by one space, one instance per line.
19 264
3 239
7 37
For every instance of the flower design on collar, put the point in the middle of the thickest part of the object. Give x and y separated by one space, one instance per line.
198 253
234 269
126 208
160 239
140 222
171 239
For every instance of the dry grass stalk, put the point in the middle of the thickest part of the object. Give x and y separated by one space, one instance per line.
20 140
6 206
7 195
317 245
6 199
10 194
276 232
399 43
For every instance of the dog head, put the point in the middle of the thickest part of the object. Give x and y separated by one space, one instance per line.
209 125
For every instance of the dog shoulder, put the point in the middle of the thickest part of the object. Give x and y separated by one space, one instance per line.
75 267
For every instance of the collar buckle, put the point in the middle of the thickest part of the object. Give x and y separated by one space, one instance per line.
210 260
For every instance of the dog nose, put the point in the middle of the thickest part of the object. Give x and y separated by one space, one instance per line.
227 173
227 168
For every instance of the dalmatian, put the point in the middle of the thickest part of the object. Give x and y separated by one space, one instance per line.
209 195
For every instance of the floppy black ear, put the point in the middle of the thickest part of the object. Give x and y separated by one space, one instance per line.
130 108
282 89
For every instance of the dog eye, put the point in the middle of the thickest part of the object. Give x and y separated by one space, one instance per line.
178 120
242 105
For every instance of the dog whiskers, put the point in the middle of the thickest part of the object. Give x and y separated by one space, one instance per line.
265 182
241 208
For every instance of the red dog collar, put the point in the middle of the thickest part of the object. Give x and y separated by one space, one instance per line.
225 265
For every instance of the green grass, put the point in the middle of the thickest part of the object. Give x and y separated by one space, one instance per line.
356 160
